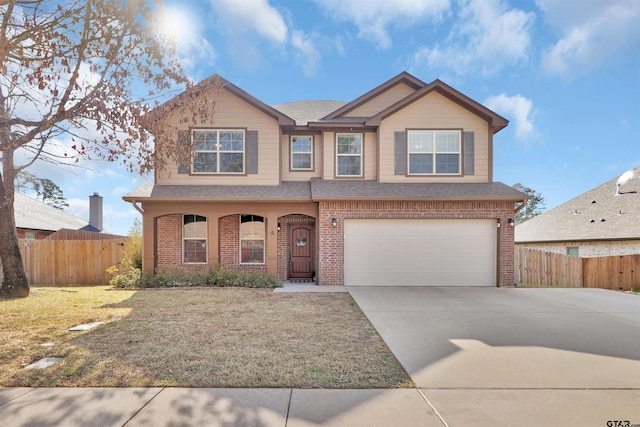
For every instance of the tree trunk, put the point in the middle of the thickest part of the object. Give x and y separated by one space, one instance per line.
14 281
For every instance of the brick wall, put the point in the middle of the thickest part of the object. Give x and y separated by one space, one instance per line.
229 227
169 245
331 256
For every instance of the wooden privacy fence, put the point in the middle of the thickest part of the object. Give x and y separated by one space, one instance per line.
541 268
535 267
70 262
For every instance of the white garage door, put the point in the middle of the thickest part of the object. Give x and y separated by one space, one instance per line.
418 252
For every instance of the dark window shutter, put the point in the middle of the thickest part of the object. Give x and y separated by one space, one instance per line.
252 151
183 148
469 155
400 152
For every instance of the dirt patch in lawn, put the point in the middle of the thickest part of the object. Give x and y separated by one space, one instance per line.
225 337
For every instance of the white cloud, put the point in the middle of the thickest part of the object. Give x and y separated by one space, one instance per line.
518 107
593 33
487 36
373 17
252 15
308 54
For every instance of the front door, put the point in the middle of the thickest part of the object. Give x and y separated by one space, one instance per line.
301 246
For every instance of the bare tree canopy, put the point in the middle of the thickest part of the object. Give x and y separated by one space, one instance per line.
84 70
534 206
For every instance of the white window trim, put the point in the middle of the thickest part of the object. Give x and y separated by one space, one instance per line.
218 152
264 243
292 152
434 153
206 240
361 155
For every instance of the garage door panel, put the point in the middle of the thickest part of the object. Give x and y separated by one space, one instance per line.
420 252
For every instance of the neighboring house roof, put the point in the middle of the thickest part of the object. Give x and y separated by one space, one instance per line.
304 112
319 189
603 213
34 215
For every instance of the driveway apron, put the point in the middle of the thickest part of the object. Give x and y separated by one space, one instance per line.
487 355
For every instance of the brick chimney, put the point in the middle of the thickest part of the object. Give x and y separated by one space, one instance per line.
95 211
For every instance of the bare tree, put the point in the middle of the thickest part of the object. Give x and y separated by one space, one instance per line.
78 79
534 206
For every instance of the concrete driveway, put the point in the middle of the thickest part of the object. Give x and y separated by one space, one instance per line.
496 356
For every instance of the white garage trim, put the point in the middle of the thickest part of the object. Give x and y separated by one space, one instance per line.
420 252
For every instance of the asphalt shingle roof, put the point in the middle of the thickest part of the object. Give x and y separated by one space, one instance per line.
34 215
598 214
319 189
304 112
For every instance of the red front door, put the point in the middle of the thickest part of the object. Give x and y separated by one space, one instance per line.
301 246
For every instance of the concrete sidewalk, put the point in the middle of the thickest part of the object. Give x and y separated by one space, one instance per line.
97 407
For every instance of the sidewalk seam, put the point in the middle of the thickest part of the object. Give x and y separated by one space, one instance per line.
433 408
17 397
286 418
143 406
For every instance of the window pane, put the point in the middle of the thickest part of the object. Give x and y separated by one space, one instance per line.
205 140
448 142
195 226
301 161
231 162
447 163
252 230
252 251
349 165
420 163
301 144
350 144
195 251
420 142
205 162
231 141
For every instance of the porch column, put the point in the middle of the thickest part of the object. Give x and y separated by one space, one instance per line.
148 242
272 244
213 241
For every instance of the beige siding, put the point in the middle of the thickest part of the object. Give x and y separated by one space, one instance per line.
328 155
382 101
370 156
232 112
288 174
434 111
589 249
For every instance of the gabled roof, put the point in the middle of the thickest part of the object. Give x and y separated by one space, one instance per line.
218 81
31 214
496 121
304 112
603 213
403 77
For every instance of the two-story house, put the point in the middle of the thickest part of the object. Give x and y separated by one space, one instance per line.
394 188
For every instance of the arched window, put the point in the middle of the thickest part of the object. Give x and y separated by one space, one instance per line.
194 239
251 239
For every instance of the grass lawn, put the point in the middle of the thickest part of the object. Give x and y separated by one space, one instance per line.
213 337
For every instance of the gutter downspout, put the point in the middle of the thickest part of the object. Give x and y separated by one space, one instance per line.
135 205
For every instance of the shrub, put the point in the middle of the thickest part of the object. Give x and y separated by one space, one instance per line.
176 277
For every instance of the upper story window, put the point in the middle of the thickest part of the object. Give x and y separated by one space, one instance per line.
218 151
349 154
194 237
251 239
434 152
301 152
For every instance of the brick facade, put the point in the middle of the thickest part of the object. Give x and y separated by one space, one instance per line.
331 239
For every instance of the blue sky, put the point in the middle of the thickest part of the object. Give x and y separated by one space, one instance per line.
566 73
